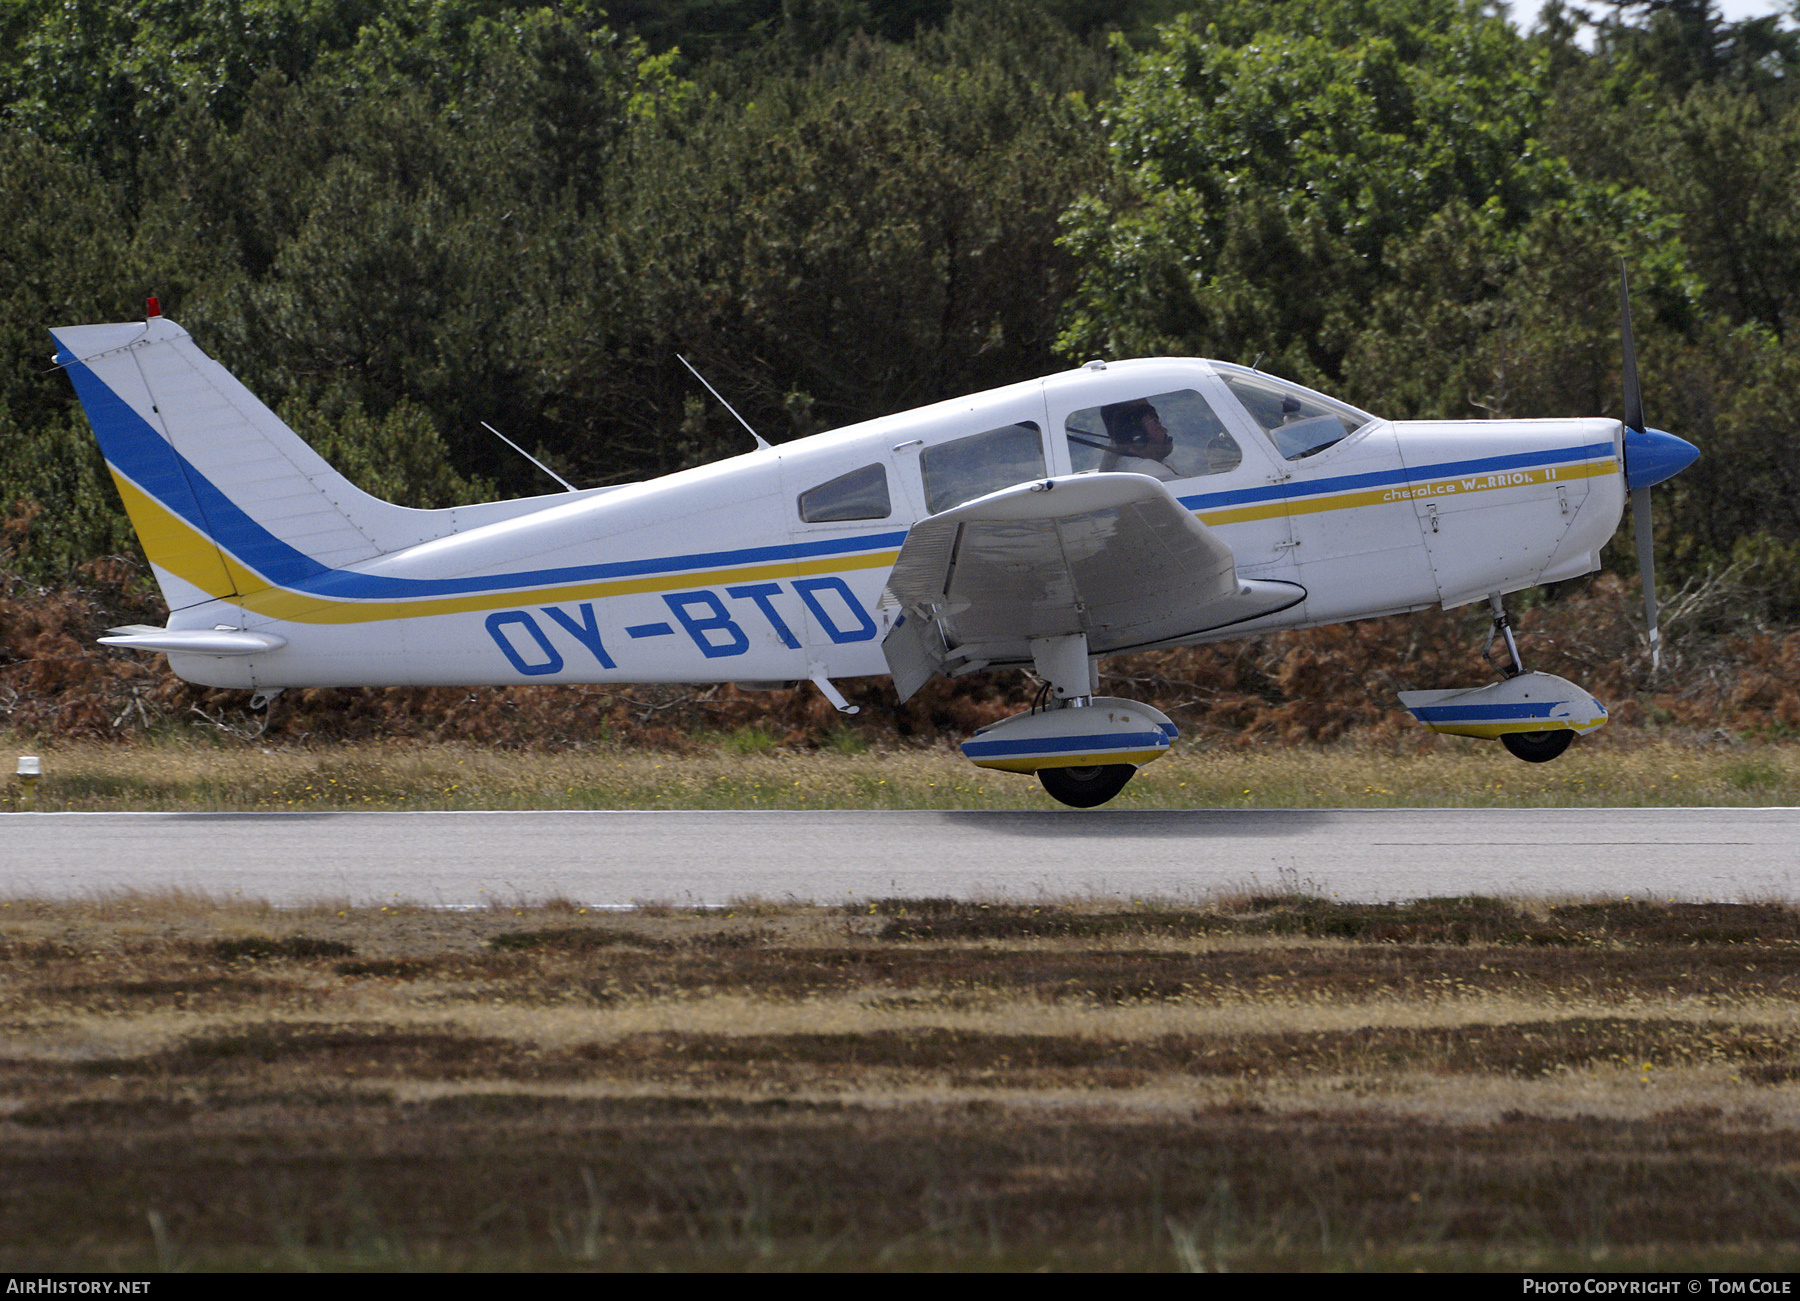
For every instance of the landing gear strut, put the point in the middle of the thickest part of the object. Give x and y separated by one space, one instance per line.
1502 627
1083 747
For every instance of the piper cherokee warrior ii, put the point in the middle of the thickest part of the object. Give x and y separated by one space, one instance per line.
1120 507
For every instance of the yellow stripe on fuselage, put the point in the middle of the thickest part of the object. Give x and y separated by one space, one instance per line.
1460 486
175 545
298 607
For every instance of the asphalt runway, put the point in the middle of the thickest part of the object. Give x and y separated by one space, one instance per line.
686 858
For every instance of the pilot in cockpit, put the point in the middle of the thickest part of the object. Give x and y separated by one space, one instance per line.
1140 443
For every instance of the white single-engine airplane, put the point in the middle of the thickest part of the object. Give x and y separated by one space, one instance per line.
1123 506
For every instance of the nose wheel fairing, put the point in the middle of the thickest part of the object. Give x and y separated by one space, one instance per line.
1526 703
1536 716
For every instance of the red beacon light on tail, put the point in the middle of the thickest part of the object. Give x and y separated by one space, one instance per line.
152 308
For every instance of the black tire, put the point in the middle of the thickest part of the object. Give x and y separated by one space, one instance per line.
1086 788
1537 747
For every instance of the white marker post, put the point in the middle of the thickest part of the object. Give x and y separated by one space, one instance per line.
30 769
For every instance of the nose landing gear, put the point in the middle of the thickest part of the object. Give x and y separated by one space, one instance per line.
1502 627
1536 716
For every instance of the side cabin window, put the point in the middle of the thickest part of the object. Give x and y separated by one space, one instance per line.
1165 435
972 467
861 494
1298 421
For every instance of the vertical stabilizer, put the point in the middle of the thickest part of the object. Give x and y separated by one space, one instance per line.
153 481
228 500
225 497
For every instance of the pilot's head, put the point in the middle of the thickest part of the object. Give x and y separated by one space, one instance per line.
1137 430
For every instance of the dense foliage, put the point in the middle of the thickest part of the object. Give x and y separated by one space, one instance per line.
395 219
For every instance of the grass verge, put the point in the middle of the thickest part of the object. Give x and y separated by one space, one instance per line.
720 774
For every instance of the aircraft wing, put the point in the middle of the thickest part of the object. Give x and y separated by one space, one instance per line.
1114 556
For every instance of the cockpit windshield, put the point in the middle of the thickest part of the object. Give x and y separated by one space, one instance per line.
1297 420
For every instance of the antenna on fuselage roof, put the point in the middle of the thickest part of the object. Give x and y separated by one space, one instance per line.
761 442
529 457
1257 364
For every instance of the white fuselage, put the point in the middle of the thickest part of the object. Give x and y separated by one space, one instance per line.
713 574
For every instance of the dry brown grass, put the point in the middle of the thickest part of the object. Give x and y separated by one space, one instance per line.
1723 673
1254 1082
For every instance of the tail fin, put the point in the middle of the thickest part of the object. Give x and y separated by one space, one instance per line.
226 499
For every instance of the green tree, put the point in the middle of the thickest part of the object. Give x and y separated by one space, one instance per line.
1679 45
1479 319
1730 168
369 249
874 233
65 258
1713 140
1265 157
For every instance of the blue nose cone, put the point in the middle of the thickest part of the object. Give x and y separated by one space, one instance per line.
1652 456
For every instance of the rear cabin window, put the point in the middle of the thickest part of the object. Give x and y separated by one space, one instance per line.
861 494
1115 437
973 467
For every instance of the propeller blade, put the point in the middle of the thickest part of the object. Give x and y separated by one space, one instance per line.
1634 397
1650 457
1646 554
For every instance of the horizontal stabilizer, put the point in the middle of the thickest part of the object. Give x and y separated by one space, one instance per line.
193 641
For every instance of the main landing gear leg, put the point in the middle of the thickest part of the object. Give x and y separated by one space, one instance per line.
1507 710
1063 663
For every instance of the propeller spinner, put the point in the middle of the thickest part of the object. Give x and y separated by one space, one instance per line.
1650 457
